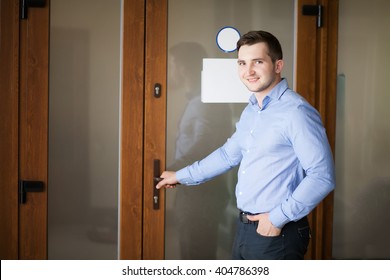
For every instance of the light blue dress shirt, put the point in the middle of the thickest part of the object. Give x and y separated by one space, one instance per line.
286 164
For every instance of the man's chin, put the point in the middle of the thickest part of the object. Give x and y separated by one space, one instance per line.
254 88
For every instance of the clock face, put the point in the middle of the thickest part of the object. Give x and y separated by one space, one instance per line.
227 39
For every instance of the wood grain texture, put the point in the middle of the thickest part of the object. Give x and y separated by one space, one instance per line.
132 119
9 82
316 71
33 131
155 124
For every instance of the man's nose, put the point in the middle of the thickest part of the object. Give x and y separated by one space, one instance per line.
250 69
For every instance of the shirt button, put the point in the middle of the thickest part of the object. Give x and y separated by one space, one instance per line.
240 193
243 172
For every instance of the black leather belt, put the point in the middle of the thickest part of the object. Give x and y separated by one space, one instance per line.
244 217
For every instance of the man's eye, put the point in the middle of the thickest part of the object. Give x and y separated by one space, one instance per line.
259 62
241 63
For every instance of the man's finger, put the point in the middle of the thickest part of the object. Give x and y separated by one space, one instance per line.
253 217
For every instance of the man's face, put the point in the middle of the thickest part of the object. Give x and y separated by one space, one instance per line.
256 69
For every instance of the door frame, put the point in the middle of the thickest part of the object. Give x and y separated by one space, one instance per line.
317 82
132 126
143 128
24 80
9 131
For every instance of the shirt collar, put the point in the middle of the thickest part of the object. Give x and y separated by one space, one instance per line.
276 92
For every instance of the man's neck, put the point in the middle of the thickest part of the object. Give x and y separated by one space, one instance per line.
260 95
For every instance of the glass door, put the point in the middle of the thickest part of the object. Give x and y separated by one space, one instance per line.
200 221
84 129
362 194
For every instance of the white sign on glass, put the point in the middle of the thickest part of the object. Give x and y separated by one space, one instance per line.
220 82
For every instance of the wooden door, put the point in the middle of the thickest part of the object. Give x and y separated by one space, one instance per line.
316 70
33 130
132 146
24 80
9 104
155 126
143 128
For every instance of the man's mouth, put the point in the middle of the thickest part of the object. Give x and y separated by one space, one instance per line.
252 80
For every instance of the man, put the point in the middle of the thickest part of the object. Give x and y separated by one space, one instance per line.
286 164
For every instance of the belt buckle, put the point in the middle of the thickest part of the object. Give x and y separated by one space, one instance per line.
244 218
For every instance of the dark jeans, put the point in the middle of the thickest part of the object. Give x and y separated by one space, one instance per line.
291 244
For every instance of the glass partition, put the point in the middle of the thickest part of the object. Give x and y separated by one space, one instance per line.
362 194
84 129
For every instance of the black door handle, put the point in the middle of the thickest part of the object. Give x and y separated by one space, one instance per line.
156 179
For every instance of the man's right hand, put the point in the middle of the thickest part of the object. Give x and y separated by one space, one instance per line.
168 181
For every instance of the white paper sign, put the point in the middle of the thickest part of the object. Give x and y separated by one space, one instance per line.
220 82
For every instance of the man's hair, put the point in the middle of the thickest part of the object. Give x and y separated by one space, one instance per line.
254 37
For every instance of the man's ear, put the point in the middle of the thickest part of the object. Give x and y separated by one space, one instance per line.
279 66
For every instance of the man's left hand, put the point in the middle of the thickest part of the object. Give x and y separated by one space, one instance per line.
265 227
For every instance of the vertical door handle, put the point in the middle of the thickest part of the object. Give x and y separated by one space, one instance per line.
156 179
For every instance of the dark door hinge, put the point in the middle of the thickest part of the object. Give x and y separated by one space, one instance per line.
29 186
25 4
313 10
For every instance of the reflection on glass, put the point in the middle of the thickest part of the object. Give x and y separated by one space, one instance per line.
84 129
201 129
200 220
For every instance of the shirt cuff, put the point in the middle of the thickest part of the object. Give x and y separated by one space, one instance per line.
278 218
183 176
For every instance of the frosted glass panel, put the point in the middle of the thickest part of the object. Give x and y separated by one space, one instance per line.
84 129
200 221
362 194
